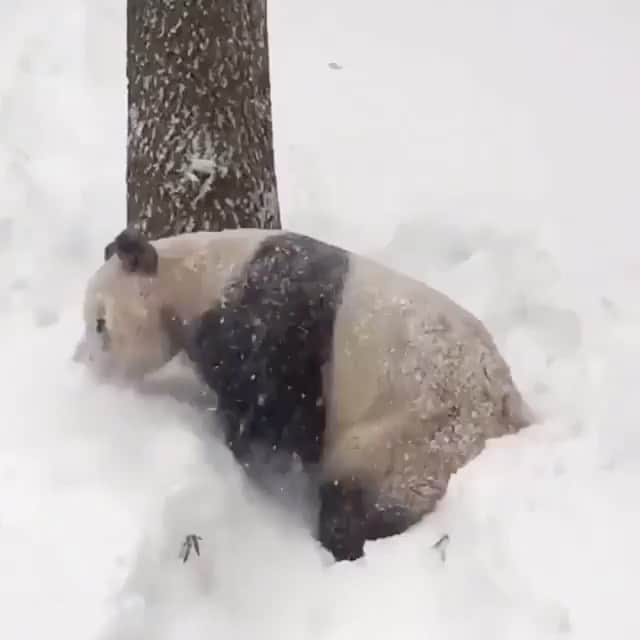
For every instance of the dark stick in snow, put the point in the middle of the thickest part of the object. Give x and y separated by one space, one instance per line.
192 541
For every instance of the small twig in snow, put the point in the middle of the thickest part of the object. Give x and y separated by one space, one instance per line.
192 541
441 546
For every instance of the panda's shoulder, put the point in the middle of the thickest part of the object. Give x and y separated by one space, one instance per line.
300 258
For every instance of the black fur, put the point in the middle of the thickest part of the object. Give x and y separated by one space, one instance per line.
342 520
349 516
135 252
262 348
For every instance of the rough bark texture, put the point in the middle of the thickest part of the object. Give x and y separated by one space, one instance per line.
200 146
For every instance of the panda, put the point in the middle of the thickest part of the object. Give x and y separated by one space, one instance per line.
378 385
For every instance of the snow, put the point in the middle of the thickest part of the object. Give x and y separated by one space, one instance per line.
490 148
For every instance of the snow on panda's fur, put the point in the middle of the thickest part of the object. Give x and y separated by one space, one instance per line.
382 384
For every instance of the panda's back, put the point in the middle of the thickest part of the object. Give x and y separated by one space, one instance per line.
401 345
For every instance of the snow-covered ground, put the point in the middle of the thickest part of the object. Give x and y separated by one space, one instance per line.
492 148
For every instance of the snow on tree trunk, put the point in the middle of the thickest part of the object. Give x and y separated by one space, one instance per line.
200 145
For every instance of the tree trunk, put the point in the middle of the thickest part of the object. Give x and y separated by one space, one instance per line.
200 145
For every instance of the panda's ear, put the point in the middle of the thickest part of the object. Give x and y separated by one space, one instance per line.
109 250
134 251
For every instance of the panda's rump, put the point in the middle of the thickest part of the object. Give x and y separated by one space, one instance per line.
399 344
418 387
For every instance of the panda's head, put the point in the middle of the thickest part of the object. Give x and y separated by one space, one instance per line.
125 310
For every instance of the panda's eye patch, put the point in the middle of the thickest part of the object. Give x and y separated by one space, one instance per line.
101 325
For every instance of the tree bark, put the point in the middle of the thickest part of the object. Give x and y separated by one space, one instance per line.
200 140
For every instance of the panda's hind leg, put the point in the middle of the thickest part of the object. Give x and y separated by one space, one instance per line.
350 515
381 478
341 519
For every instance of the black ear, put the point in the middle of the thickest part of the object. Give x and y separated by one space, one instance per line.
135 252
109 250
